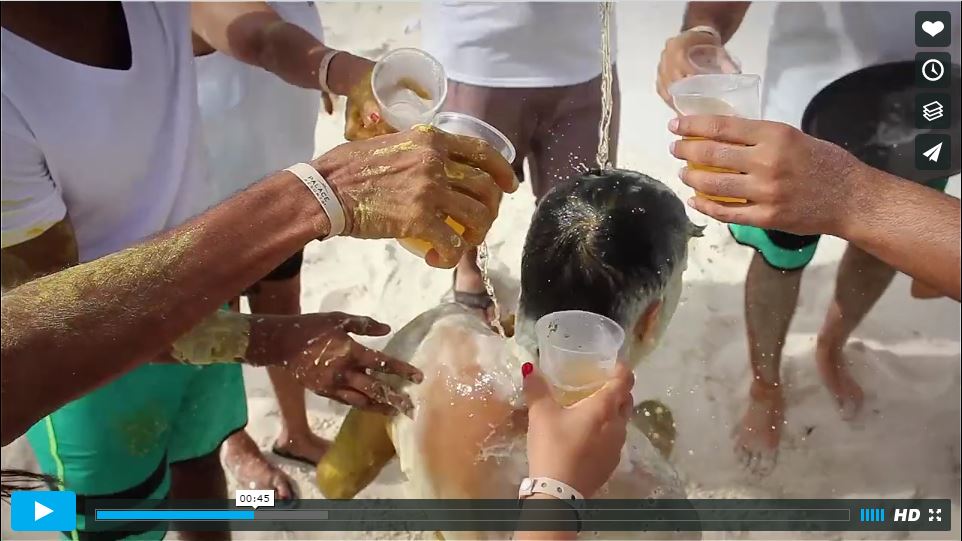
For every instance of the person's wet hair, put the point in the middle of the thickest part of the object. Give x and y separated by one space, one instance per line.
605 242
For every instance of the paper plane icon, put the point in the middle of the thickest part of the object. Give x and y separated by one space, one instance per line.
933 153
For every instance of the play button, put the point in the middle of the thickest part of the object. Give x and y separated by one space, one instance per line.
43 511
40 510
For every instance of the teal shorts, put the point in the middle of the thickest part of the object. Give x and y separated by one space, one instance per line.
120 440
785 251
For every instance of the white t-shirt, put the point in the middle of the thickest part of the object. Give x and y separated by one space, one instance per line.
516 44
814 44
255 123
119 150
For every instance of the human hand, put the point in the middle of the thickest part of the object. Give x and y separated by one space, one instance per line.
793 182
579 445
319 351
362 114
674 63
406 184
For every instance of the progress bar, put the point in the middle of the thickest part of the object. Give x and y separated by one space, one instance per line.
173 514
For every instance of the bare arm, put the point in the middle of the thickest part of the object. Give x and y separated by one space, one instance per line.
799 184
909 226
725 17
254 33
74 330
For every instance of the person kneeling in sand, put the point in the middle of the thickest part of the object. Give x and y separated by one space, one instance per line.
613 243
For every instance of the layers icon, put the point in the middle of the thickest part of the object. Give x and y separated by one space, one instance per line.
932 111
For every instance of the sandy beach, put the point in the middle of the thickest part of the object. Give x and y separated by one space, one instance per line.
906 355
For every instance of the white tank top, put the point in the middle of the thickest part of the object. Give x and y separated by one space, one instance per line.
119 150
254 122
515 44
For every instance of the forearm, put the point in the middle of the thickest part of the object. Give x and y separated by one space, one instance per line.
254 33
909 226
97 320
722 16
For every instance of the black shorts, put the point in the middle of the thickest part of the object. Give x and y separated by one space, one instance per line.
285 271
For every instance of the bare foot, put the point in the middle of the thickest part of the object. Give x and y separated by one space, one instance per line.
835 374
756 444
252 470
305 447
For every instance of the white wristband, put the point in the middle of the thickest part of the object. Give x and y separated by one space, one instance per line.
324 67
545 485
706 29
324 193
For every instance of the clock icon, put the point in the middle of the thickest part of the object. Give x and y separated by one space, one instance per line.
933 70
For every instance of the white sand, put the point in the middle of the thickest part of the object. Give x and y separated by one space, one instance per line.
906 354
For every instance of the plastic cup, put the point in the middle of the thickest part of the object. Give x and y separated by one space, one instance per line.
409 86
461 124
577 352
731 94
712 59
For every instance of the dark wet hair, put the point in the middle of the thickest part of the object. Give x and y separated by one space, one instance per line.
603 242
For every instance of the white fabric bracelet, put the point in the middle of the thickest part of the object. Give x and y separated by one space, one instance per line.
545 485
706 29
324 67
324 193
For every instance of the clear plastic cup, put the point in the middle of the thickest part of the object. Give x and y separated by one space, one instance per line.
577 352
409 86
461 124
712 59
732 94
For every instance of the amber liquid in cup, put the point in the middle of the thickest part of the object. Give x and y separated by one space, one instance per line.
581 381
714 106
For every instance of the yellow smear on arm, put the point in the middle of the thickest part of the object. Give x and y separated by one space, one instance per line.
221 338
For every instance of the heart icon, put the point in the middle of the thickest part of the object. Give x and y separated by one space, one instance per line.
933 28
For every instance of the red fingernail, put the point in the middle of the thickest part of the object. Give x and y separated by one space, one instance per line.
375 117
526 369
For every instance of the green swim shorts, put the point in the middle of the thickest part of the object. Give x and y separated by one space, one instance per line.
785 251
119 440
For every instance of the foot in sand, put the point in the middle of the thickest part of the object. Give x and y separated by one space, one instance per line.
833 369
756 444
306 447
252 470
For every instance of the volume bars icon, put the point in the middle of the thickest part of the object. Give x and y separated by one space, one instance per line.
932 111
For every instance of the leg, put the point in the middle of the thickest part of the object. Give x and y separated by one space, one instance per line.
771 296
296 438
199 478
861 281
503 108
566 139
278 293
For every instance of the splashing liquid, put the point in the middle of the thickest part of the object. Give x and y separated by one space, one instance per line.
483 257
604 125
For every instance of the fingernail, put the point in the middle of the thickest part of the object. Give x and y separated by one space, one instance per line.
673 124
691 202
671 147
526 369
375 118
681 172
